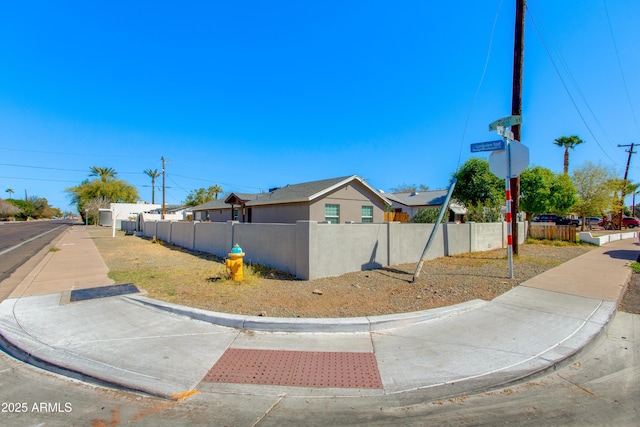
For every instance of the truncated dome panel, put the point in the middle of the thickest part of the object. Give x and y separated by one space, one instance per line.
296 368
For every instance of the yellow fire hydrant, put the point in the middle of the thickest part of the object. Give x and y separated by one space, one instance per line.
234 263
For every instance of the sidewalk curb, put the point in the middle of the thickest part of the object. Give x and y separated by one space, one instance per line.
294 324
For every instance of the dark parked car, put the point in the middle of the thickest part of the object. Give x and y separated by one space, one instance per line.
558 220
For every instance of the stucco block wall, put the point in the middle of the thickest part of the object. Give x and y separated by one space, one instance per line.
272 245
163 231
336 249
311 250
407 242
182 234
213 237
457 238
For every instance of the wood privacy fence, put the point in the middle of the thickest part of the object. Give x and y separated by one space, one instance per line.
396 216
553 232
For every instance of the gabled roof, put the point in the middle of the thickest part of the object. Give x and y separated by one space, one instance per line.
240 198
213 204
293 193
309 191
423 198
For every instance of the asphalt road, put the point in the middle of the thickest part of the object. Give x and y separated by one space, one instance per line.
21 241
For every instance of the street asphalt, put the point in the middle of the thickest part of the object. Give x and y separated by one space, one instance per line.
61 318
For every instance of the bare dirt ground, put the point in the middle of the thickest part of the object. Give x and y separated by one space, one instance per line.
199 280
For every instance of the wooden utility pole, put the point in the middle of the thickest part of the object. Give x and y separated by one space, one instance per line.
164 189
516 109
624 182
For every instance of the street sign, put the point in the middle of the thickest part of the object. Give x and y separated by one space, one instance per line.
487 146
519 161
505 122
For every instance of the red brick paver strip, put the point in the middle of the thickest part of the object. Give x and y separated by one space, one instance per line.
296 368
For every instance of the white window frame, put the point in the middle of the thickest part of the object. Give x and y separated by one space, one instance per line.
332 219
368 218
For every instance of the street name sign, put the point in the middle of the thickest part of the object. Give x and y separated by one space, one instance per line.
487 146
505 122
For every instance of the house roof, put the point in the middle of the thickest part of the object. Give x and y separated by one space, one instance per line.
309 191
432 198
213 204
292 193
416 199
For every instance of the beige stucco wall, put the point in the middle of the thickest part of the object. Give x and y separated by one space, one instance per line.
283 214
351 198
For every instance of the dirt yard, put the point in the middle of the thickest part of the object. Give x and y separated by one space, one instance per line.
199 280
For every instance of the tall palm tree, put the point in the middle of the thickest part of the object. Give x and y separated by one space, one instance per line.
10 191
153 174
567 142
216 189
105 174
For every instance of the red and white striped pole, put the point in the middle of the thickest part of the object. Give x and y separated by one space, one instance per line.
508 200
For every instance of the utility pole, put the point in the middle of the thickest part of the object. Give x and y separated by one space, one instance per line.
624 181
164 188
516 109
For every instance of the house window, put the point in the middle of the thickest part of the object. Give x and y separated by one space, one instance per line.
235 214
332 214
367 214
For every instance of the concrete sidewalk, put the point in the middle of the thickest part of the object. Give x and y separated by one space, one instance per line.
140 344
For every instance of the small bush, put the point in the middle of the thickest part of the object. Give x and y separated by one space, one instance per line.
635 266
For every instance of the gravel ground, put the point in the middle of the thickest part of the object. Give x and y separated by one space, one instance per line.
195 279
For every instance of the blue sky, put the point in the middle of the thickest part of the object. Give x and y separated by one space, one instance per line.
257 94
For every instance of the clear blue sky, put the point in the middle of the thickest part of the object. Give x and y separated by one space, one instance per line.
256 94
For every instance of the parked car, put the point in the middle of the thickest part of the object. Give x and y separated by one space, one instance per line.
558 220
627 221
592 220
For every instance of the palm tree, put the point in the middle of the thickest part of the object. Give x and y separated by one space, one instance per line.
10 191
105 174
567 142
153 174
216 189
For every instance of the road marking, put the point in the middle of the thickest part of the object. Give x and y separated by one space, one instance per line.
30 240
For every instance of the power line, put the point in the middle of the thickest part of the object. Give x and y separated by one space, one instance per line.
624 80
475 96
566 88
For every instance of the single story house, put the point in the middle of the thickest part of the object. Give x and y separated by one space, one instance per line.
123 211
412 202
335 200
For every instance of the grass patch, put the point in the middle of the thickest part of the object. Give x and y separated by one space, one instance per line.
54 249
635 266
548 242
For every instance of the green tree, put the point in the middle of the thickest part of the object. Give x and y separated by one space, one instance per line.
476 184
567 142
409 188
542 191
428 216
203 195
594 186
153 174
104 173
10 191
104 187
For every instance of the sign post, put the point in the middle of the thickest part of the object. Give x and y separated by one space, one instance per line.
507 160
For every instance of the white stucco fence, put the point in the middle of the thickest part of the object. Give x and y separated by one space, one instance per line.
311 250
585 236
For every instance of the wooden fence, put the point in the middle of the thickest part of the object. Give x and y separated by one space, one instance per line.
553 232
396 216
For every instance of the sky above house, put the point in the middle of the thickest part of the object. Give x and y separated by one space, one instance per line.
251 95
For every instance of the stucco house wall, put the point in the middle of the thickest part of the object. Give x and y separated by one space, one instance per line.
282 213
350 198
